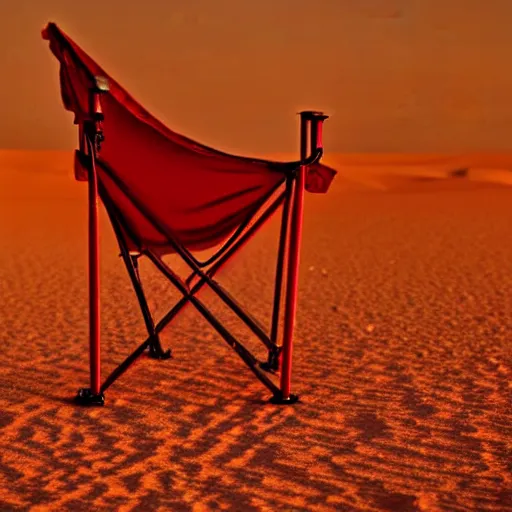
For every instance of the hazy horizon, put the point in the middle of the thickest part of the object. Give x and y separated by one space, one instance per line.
396 76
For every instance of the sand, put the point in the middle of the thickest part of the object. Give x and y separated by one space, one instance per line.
402 355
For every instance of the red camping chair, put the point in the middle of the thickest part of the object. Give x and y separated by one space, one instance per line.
165 193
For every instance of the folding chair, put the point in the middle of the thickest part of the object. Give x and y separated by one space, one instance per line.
166 194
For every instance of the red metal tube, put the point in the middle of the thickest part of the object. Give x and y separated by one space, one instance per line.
292 279
94 277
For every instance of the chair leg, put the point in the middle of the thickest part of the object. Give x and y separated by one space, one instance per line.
156 350
292 279
274 353
93 394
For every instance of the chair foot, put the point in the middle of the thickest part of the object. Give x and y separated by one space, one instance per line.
159 353
279 400
156 351
269 368
87 398
272 363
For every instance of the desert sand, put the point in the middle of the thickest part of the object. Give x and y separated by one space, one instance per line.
402 354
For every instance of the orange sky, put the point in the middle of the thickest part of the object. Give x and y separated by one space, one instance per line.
396 75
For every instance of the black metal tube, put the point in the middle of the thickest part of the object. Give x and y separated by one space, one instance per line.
130 266
216 267
244 354
124 366
229 301
133 272
278 286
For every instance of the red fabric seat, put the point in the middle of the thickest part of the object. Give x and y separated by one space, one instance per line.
198 194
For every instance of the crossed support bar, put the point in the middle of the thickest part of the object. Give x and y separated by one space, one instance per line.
292 199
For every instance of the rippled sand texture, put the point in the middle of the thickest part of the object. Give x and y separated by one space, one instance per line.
402 356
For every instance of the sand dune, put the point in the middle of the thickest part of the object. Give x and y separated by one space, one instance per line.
402 355
401 171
